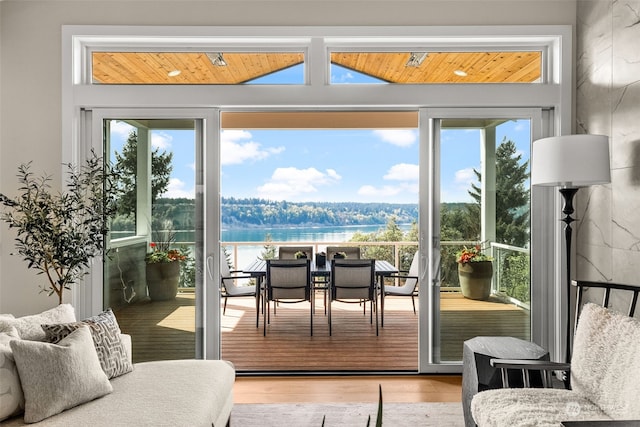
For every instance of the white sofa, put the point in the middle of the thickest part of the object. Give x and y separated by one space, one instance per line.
163 393
605 380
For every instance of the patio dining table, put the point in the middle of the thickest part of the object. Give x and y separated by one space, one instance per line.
258 269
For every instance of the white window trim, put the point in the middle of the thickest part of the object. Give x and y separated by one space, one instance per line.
554 93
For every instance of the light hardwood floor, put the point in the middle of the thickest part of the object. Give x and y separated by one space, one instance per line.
332 389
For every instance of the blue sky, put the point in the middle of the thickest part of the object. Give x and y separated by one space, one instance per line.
343 165
329 165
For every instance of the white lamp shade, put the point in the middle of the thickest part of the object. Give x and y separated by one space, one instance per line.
571 161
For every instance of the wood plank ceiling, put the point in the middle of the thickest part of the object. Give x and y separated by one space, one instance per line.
243 67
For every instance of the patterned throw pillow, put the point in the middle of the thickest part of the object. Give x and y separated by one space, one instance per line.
56 377
106 338
11 396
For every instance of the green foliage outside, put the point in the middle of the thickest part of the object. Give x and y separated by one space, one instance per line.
126 165
391 233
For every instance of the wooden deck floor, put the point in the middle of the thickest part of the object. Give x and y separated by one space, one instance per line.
165 330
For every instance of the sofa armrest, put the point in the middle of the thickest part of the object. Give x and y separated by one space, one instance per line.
544 366
126 342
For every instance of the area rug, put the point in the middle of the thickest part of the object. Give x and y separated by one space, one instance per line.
347 415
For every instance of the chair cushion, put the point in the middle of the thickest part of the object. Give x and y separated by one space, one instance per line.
193 393
605 365
531 407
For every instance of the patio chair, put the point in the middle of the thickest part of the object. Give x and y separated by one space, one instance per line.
352 252
288 281
289 252
353 280
230 289
410 286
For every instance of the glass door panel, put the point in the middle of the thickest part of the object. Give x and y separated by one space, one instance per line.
150 277
483 178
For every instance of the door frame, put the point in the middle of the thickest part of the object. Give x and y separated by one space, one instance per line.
554 93
89 298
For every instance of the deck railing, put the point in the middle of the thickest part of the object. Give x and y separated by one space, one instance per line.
511 263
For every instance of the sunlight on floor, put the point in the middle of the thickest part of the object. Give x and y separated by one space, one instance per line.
181 318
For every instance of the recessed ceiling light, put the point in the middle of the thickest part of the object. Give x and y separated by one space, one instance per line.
460 73
174 73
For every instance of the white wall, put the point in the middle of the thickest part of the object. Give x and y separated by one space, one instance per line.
30 70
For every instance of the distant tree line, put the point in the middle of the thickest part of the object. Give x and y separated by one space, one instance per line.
247 213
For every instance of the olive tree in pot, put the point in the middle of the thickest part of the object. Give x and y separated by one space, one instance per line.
58 233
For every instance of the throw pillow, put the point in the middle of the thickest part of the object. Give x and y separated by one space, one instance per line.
11 396
106 337
60 376
29 326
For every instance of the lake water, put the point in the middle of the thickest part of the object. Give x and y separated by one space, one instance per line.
334 235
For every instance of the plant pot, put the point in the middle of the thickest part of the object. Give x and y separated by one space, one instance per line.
475 279
162 280
321 260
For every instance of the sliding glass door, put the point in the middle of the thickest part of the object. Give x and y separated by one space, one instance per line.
153 269
480 208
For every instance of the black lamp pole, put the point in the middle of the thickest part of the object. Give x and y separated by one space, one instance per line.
567 210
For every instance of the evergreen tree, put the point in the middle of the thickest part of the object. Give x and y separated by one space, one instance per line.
127 167
512 215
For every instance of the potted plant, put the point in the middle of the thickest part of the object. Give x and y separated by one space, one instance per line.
300 255
475 272
163 268
58 233
340 255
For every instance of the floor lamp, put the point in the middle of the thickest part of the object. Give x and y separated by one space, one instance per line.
570 162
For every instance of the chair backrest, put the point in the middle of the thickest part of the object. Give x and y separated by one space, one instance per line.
289 252
353 279
227 282
411 282
225 271
352 252
289 279
605 365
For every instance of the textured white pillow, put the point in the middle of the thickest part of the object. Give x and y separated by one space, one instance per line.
106 338
29 326
60 376
11 396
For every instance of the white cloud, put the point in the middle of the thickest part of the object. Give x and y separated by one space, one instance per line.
520 126
397 137
121 129
390 190
176 189
291 183
235 151
464 177
403 172
161 140
342 77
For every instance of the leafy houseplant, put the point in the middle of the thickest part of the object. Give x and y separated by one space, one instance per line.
58 233
475 272
300 255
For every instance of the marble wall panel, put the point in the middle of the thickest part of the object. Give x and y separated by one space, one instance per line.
593 67
625 209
